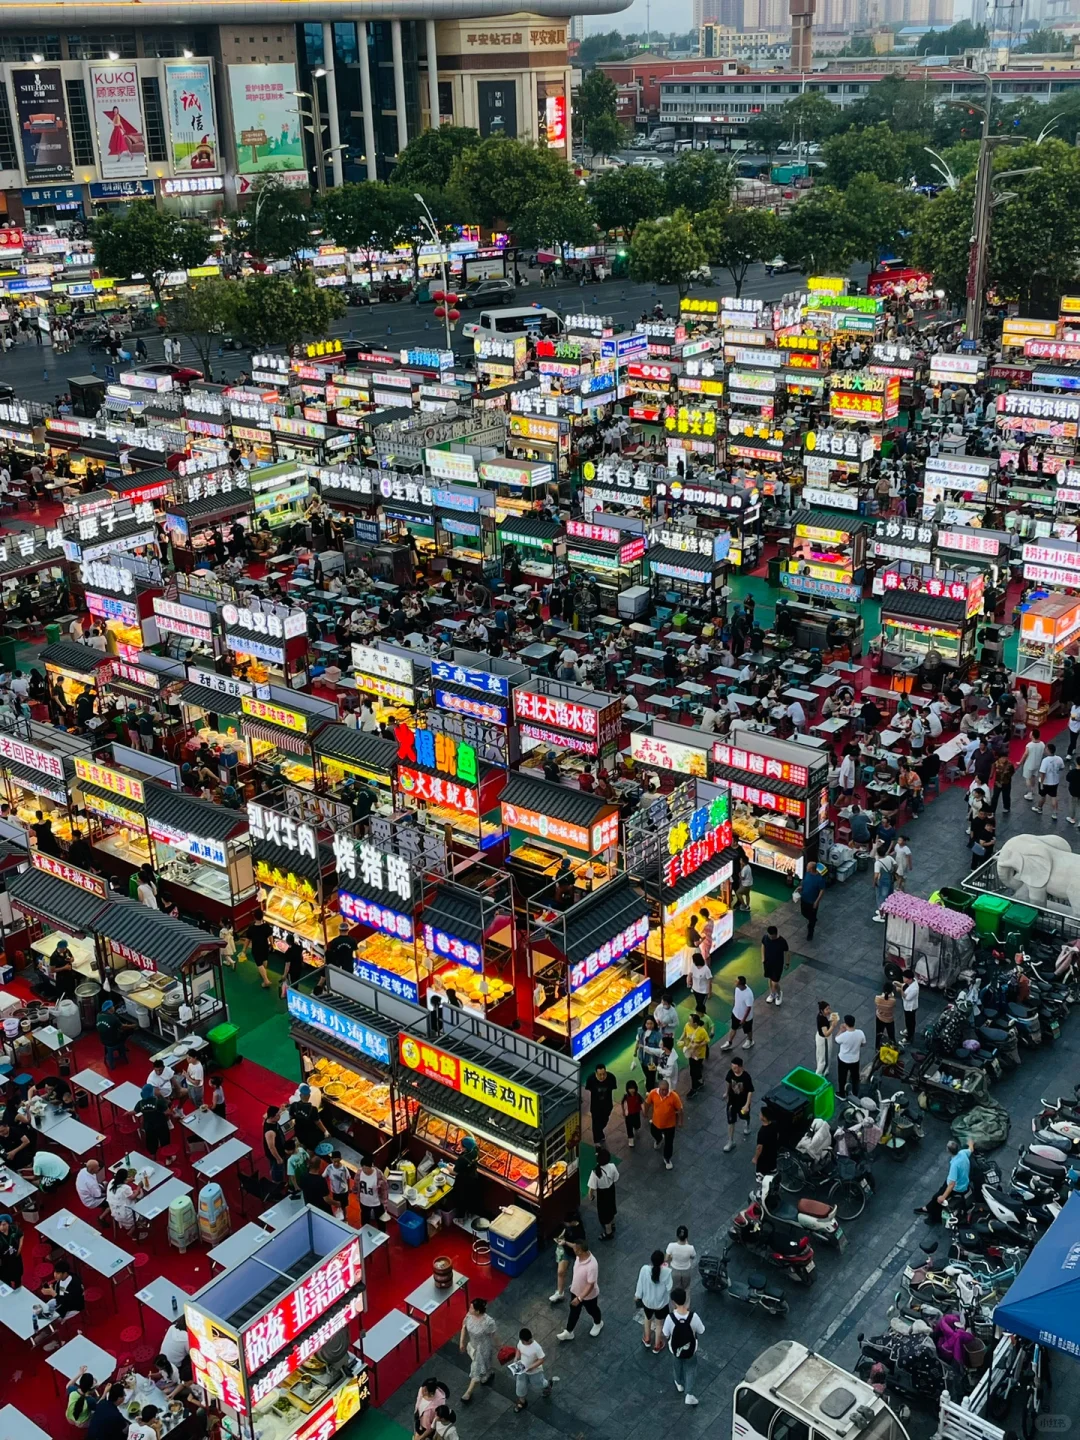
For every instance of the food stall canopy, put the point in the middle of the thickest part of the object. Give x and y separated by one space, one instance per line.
458 911
669 563
357 747
39 782
167 943
530 528
606 912
213 507
1043 1302
292 862
556 812
216 701
160 475
57 902
193 816
915 605
38 559
70 656
831 520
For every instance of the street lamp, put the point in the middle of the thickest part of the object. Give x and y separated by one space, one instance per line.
428 221
316 128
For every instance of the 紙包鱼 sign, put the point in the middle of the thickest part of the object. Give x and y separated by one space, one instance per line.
473 1081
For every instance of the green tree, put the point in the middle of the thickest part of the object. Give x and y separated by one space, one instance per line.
597 95
698 180
962 158
276 225
879 217
497 180
878 150
604 135
367 217
745 237
858 47
767 130
204 312
954 41
622 198
901 104
149 244
810 117
667 252
563 220
1044 42
609 46
814 235
427 160
942 239
285 309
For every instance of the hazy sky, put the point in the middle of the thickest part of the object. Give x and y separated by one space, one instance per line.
664 15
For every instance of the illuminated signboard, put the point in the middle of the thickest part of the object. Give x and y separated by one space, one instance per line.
342 1028
1046 407
555 737
658 374
215 1360
633 550
122 670
168 610
562 714
827 589
767 800
969 541
1052 555
332 1281
868 405
680 572
630 1005
388 980
592 841
377 662
582 530
439 942
437 790
50 865
438 751
1053 575
693 841
763 765
223 684
482 680
487 1088
106 778
258 709
35 759
668 755
374 915
485 710
614 949
277 828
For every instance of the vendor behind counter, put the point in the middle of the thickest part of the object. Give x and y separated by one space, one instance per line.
813 627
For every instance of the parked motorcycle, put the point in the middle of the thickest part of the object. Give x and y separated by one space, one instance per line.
818 1217
756 1290
777 1246
907 1364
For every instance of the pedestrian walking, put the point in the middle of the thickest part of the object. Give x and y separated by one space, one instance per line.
668 1065
584 1292
742 1015
631 1106
665 1015
477 1339
681 1330
849 1047
825 1022
775 953
681 1256
884 875
902 857
653 1294
1074 725
810 893
603 1178
738 1088
649 1051
1051 770
1072 785
884 1017
665 1111
744 885
529 1369
982 830
700 981
1002 777
1032 758
572 1231
909 991
600 1086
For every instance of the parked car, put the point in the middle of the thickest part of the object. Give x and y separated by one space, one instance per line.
778 266
488 292
182 374
666 147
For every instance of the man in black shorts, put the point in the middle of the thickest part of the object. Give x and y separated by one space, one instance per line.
738 1089
774 961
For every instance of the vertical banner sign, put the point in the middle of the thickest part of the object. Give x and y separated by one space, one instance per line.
118 120
46 144
192 127
266 118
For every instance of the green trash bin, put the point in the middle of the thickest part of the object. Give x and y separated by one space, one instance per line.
223 1040
954 899
816 1088
988 912
1020 918
52 634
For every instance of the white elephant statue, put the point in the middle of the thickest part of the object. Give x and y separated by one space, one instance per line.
1035 867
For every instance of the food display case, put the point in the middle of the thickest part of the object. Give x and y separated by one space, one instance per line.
611 567
114 799
1049 630
915 621
780 798
202 856
554 829
828 555
466 943
344 756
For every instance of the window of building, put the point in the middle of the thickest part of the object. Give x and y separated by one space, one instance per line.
313 46
171 44
156 144
793 89
9 159
97 46
737 89
755 89
82 135
346 49
833 89
25 47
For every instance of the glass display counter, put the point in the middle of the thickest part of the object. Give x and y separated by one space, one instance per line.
511 1168
579 1018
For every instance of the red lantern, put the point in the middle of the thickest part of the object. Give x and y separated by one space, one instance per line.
438 295
440 311
455 315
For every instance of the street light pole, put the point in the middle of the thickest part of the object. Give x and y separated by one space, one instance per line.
980 230
316 128
429 222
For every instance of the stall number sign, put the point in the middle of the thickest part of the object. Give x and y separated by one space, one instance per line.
211 850
24 754
278 829
108 779
603 534
378 917
96 575
683 421
562 714
472 1081
611 950
668 755
438 791
482 680
613 1019
49 865
263 622
1047 407
602 835
781 804
334 1280
438 751
222 684
439 942
693 841
353 1033
258 709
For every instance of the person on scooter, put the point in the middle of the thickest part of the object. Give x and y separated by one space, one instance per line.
957 1184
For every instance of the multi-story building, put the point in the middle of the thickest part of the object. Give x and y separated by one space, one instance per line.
195 113
722 42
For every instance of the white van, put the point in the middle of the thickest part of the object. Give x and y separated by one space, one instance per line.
532 320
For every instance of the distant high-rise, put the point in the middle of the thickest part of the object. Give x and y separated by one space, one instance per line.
802 39
577 27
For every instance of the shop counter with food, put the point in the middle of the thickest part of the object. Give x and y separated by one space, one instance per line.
780 796
202 855
466 944
295 893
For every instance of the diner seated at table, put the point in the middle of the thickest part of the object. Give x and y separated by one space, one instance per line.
124 1189
49 1170
63 1295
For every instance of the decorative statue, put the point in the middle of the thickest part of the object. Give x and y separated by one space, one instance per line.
1035 867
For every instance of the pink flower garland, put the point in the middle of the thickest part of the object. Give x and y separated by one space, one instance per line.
938 918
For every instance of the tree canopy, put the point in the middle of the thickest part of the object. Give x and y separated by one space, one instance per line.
669 251
497 180
284 309
428 159
745 237
148 243
697 180
622 198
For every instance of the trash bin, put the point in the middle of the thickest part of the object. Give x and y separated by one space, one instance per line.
223 1043
773 571
816 1088
954 899
52 634
988 911
412 1228
1020 918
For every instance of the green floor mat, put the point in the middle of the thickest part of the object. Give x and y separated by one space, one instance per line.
374 1425
260 1014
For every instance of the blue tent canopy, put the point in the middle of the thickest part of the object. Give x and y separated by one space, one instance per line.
1043 1302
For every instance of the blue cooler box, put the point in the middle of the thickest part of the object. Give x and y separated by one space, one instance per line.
412 1228
511 1233
516 1264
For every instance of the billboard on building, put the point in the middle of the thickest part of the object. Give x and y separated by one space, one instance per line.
189 99
266 119
118 120
496 103
43 124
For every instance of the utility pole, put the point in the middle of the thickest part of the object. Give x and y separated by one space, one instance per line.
980 229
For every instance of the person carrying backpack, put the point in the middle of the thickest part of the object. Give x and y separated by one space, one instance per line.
681 1330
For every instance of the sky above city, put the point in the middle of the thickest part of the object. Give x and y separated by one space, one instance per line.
663 15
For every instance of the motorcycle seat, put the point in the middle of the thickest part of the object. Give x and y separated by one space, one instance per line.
817 1208
1038 1166
773 1291
757 1281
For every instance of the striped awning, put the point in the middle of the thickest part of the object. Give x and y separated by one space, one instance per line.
276 735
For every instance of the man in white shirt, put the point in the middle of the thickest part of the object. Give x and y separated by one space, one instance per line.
20 685
849 1043
846 777
194 1077
797 715
708 719
160 1081
742 1015
1050 773
933 723
89 1188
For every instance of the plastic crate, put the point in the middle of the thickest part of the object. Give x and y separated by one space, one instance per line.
988 912
816 1088
513 1264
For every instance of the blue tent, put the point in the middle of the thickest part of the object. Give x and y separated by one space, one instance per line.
1043 1302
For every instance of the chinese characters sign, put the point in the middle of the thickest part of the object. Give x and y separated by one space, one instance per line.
439 942
693 841
278 829
611 950
668 755
25 754
49 865
763 765
482 680
108 779
470 1080
562 832
331 1282
438 791
613 1019
547 710
782 804
275 714
339 1027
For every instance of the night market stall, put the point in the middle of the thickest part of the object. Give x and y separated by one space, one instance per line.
466 931
71 670
827 557
537 547
38 772
780 795
929 614
296 876
202 856
281 727
580 726
351 764
558 831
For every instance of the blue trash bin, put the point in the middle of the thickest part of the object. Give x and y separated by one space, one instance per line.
412 1228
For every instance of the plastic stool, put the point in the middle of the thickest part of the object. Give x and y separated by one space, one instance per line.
131 1335
94 1297
22 1083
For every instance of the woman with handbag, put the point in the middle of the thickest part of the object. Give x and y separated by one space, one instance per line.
602 1182
477 1339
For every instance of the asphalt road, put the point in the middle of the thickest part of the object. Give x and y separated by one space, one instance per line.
38 374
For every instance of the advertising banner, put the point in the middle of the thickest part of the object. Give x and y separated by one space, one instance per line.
266 118
189 100
118 120
46 144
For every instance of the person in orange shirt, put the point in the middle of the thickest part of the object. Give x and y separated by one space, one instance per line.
665 1111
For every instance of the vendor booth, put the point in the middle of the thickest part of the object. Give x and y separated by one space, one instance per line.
931 941
556 830
202 857
929 614
1049 630
210 712
281 727
296 876
279 494
266 642
780 797
348 760
688 564
210 502
447 784
581 726
612 565
466 934
70 670
827 557
114 597
520 487
388 677
537 546
823 627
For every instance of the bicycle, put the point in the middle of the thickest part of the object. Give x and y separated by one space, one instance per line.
1037 1375
1001 1392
